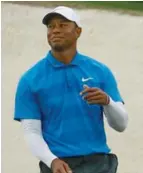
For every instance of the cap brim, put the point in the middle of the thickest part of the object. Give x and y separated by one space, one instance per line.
49 16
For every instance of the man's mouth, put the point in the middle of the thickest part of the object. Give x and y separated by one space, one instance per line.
57 39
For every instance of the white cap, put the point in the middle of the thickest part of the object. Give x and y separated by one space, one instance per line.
66 12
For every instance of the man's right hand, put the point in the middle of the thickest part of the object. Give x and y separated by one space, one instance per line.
59 166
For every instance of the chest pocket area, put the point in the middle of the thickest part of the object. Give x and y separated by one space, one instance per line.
94 83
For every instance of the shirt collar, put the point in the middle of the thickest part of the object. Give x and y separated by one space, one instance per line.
56 63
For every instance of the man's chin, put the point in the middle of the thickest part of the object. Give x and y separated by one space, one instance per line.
57 47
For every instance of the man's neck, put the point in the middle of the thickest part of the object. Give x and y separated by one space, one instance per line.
65 56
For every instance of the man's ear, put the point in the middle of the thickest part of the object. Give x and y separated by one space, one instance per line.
78 31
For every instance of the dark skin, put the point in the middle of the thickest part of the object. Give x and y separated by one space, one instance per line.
95 96
62 36
59 166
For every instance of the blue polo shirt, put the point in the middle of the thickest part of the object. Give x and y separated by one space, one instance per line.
49 91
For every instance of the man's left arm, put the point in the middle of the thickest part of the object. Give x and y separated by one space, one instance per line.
116 115
115 111
109 97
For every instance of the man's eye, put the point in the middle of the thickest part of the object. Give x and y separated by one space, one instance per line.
64 25
50 26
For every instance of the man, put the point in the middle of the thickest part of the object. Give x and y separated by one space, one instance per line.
60 102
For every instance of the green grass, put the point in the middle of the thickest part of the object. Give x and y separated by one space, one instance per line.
132 7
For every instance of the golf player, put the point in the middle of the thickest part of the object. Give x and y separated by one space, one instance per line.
62 101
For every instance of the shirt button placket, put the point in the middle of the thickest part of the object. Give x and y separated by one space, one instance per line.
68 78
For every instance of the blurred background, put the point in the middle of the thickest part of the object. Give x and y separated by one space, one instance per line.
132 7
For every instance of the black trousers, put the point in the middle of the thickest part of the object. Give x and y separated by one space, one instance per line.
95 163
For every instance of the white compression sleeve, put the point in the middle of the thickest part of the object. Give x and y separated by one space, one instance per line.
116 115
35 141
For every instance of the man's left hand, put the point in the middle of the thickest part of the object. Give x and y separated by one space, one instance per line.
95 96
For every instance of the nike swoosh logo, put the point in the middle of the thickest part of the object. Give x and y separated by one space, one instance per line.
87 79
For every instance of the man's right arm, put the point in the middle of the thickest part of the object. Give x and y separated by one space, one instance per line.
36 143
27 111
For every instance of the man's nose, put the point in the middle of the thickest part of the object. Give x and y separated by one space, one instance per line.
56 29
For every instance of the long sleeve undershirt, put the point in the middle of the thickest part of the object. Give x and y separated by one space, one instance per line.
116 116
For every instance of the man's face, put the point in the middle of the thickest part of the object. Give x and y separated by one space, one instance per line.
62 33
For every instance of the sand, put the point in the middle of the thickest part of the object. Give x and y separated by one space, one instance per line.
112 38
